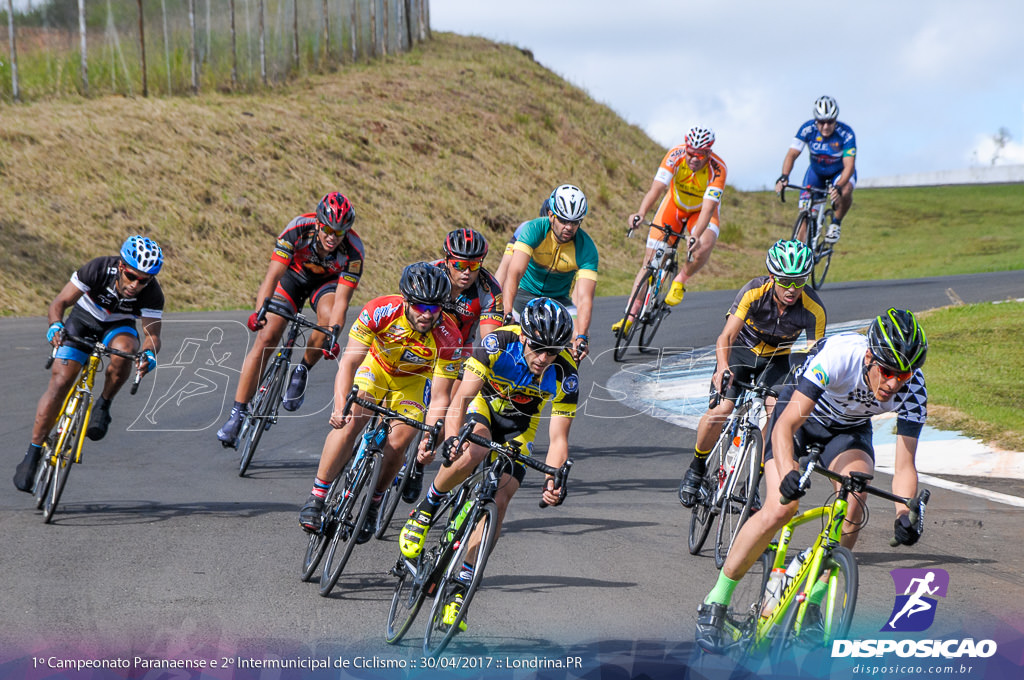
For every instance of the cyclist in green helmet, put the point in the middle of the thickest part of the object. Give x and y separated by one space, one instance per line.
765 320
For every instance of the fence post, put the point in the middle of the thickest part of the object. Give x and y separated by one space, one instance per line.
234 48
85 62
142 50
354 31
167 47
15 91
327 35
192 45
386 27
295 33
263 48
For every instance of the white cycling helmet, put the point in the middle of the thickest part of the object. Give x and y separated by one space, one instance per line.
825 108
700 137
568 203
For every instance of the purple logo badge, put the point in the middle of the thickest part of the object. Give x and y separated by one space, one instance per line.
916 590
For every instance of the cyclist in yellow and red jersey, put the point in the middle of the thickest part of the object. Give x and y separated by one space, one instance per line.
476 295
402 349
317 257
691 179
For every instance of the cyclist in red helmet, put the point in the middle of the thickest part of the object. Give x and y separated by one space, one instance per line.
691 179
318 257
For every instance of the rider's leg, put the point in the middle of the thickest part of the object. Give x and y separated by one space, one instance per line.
845 463
258 357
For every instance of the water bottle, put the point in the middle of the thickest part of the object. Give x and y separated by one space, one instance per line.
803 203
797 562
656 260
457 521
773 591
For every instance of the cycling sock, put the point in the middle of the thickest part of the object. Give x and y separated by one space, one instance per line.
434 497
241 407
836 222
306 363
466 574
378 496
722 592
103 404
34 449
699 462
320 488
817 593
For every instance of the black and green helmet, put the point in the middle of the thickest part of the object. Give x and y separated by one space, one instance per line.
789 259
897 341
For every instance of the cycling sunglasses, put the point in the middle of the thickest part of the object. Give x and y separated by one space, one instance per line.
697 153
421 308
798 282
466 265
136 278
889 374
333 232
544 349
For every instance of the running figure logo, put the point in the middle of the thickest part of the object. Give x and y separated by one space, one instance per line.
914 610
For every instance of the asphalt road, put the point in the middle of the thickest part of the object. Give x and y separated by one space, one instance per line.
159 550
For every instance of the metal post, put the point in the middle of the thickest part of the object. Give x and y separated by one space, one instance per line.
263 47
192 45
85 62
142 50
167 47
234 48
295 33
327 34
15 90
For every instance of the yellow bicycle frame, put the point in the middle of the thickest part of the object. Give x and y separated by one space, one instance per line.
82 389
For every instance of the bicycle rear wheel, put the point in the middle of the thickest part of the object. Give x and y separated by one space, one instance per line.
72 436
744 475
350 519
405 604
395 490
268 394
703 511
796 639
317 545
624 335
439 633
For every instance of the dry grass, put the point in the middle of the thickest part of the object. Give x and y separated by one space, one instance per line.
460 132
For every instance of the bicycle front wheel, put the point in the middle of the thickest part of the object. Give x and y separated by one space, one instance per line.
748 599
656 311
445 621
256 422
394 492
703 511
744 473
624 335
806 628
44 474
317 545
405 605
822 252
68 443
351 518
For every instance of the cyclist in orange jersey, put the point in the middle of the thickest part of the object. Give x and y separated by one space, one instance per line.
689 183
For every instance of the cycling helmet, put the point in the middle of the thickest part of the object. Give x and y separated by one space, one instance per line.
465 244
825 108
142 253
568 203
546 322
335 211
425 283
700 137
897 341
791 259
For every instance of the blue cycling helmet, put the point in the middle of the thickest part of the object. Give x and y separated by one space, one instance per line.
142 253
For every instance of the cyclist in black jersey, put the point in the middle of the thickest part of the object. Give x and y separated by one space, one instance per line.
768 315
106 296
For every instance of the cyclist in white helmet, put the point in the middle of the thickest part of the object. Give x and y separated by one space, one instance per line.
833 151
689 185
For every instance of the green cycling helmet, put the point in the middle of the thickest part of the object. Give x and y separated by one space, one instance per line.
897 341
790 259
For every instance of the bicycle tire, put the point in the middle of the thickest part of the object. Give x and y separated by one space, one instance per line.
68 443
623 336
269 392
806 239
657 314
405 605
44 473
749 598
394 492
702 513
360 498
737 504
822 253
317 545
836 610
439 634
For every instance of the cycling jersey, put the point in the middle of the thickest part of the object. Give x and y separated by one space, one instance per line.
298 247
827 153
553 266
688 188
834 377
400 349
511 391
480 302
97 279
766 330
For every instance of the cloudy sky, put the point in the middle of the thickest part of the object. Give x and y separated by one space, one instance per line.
926 85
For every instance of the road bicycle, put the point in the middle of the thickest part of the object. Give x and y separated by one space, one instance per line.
812 222
793 624
660 271
63 447
470 509
729 487
394 493
351 493
266 402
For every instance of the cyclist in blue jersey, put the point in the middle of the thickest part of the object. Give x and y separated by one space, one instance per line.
833 151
